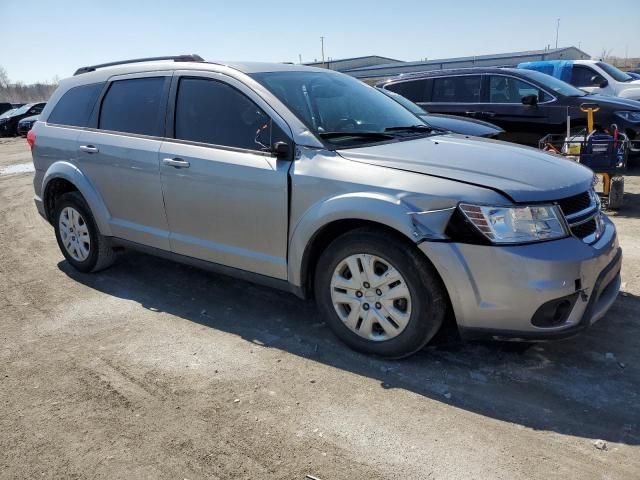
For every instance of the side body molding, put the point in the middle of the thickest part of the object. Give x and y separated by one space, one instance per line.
71 173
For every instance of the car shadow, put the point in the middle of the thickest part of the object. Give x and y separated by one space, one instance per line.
586 386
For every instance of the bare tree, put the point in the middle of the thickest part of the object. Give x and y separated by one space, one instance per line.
20 92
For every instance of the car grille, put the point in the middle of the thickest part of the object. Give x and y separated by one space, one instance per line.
575 204
582 213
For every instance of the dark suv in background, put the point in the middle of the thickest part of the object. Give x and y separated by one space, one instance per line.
526 104
9 124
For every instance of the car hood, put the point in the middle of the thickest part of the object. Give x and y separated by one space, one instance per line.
616 103
463 126
32 118
521 173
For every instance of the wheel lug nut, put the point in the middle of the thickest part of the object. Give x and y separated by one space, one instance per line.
365 306
358 294
378 305
366 284
378 292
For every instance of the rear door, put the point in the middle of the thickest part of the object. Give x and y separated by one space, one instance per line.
226 196
119 154
503 106
455 95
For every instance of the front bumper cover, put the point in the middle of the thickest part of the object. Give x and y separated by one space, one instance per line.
495 291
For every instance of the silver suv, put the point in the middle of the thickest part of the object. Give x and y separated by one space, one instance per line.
313 182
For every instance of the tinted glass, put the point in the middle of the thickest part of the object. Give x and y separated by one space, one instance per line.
551 83
461 89
333 102
414 90
408 104
213 112
36 110
617 74
133 106
581 77
511 90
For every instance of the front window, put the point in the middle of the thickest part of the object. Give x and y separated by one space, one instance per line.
552 83
618 75
333 106
503 89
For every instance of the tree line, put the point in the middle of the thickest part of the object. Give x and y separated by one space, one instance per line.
20 92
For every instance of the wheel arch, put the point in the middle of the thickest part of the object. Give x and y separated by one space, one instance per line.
327 220
62 177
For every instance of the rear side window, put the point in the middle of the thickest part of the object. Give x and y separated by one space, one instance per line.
209 111
414 90
75 106
134 106
461 89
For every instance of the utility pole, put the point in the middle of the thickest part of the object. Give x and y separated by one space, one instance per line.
322 47
557 31
300 58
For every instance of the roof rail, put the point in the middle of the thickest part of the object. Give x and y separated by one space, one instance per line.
175 58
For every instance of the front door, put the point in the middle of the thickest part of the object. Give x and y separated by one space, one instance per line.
525 124
226 196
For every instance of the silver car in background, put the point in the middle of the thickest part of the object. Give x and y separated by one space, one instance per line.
313 182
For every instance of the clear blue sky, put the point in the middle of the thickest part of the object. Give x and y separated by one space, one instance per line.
44 38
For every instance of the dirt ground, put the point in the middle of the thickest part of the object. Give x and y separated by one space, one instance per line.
156 370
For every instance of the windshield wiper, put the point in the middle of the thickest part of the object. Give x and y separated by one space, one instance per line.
378 135
411 128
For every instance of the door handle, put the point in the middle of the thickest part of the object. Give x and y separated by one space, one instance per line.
489 114
176 162
89 148
470 114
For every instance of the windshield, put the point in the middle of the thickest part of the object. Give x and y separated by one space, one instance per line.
8 113
617 75
329 103
552 83
23 109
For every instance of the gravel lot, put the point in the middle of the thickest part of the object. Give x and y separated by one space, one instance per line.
155 370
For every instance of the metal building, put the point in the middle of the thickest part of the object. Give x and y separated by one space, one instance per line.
377 69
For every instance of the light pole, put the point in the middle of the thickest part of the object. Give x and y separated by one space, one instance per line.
322 47
557 31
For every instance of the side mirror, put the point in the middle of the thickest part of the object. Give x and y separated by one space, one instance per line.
599 81
530 100
604 83
281 150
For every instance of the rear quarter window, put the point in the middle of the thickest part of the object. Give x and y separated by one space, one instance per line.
134 106
414 90
75 106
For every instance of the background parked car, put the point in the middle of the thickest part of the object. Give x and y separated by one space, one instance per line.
451 123
9 124
591 76
5 107
25 124
527 104
17 105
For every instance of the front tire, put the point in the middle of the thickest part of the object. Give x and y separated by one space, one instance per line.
379 295
78 236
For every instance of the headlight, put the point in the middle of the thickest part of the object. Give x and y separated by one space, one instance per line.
630 116
505 225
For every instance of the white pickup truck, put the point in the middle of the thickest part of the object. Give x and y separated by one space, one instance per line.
592 76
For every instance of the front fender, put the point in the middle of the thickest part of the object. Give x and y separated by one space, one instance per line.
367 206
630 93
74 175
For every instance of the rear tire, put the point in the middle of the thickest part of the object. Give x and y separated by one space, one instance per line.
78 236
379 295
